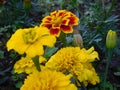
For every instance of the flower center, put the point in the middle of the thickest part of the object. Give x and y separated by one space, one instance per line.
57 20
30 36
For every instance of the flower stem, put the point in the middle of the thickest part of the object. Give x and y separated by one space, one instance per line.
107 67
62 38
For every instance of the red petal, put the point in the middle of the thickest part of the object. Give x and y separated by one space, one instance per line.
47 19
72 21
48 25
53 13
66 29
65 22
61 12
55 32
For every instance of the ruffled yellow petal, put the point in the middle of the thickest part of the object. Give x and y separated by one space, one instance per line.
34 50
31 41
76 61
26 65
48 41
48 80
17 43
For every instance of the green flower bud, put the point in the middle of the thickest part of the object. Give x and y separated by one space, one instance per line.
111 39
27 5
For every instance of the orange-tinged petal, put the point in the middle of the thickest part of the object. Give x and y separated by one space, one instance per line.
65 22
47 19
48 25
53 13
56 26
55 32
67 15
73 20
61 13
66 29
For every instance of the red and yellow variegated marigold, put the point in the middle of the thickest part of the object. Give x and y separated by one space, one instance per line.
60 20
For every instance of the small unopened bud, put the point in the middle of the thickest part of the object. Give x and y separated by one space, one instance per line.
27 5
111 39
77 37
78 40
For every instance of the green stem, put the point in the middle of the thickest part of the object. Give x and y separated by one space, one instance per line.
104 11
61 4
112 7
62 38
77 7
107 67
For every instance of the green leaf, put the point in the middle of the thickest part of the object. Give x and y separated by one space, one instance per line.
36 62
49 51
1 54
19 84
74 1
117 73
107 85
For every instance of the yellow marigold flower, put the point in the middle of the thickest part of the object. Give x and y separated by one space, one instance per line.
48 80
25 64
76 61
31 41
60 20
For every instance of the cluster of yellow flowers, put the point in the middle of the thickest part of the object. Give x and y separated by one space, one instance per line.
66 63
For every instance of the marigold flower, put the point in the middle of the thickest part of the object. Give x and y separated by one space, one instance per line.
48 80
76 61
60 20
31 41
25 64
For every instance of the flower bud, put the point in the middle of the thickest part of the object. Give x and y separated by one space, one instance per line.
111 39
27 5
77 37
78 40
